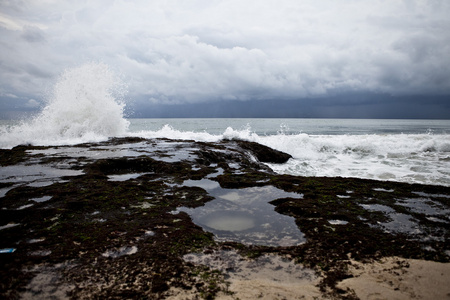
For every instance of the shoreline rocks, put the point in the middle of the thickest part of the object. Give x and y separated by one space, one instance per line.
87 214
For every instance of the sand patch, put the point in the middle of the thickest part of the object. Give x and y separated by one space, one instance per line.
397 278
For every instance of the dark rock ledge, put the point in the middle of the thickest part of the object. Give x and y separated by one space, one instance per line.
82 235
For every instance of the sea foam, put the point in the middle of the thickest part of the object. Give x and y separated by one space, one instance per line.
412 158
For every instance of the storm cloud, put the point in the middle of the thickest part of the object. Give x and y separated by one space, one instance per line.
190 52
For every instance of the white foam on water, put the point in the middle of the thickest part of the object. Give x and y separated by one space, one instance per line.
168 131
413 158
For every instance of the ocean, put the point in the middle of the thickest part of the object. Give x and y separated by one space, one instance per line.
87 105
413 151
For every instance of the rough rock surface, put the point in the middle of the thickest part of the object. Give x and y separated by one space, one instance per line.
97 220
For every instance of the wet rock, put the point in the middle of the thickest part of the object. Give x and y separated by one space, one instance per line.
264 153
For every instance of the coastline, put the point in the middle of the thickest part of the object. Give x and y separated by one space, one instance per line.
86 216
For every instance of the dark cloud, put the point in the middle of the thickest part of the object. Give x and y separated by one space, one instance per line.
357 105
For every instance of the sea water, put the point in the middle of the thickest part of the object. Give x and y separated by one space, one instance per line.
87 105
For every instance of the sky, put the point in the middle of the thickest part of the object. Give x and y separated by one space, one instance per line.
322 58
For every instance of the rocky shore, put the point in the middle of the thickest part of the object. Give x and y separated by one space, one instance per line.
115 220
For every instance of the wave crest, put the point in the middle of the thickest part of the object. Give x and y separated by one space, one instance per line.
86 104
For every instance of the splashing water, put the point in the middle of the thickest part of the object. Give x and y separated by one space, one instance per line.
86 104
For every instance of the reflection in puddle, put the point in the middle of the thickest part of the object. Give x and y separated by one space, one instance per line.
425 206
164 151
94 152
45 175
25 206
245 215
41 183
410 224
9 225
41 199
431 195
228 220
219 171
4 191
337 222
143 205
120 252
378 207
40 253
124 177
382 190
34 241
399 222
207 185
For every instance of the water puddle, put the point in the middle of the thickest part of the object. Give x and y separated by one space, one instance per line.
4 191
337 222
94 152
120 252
245 215
431 195
173 154
408 224
42 183
34 241
41 199
25 206
383 190
124 177
149 233
40 253
378 207
42 174
143 205
163 151
425 206
399 222
9 225
402 223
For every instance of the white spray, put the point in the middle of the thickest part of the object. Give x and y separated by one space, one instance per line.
86 104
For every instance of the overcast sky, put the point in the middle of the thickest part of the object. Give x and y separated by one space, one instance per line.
181 51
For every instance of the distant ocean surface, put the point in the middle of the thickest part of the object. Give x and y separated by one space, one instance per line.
296 126
413 151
